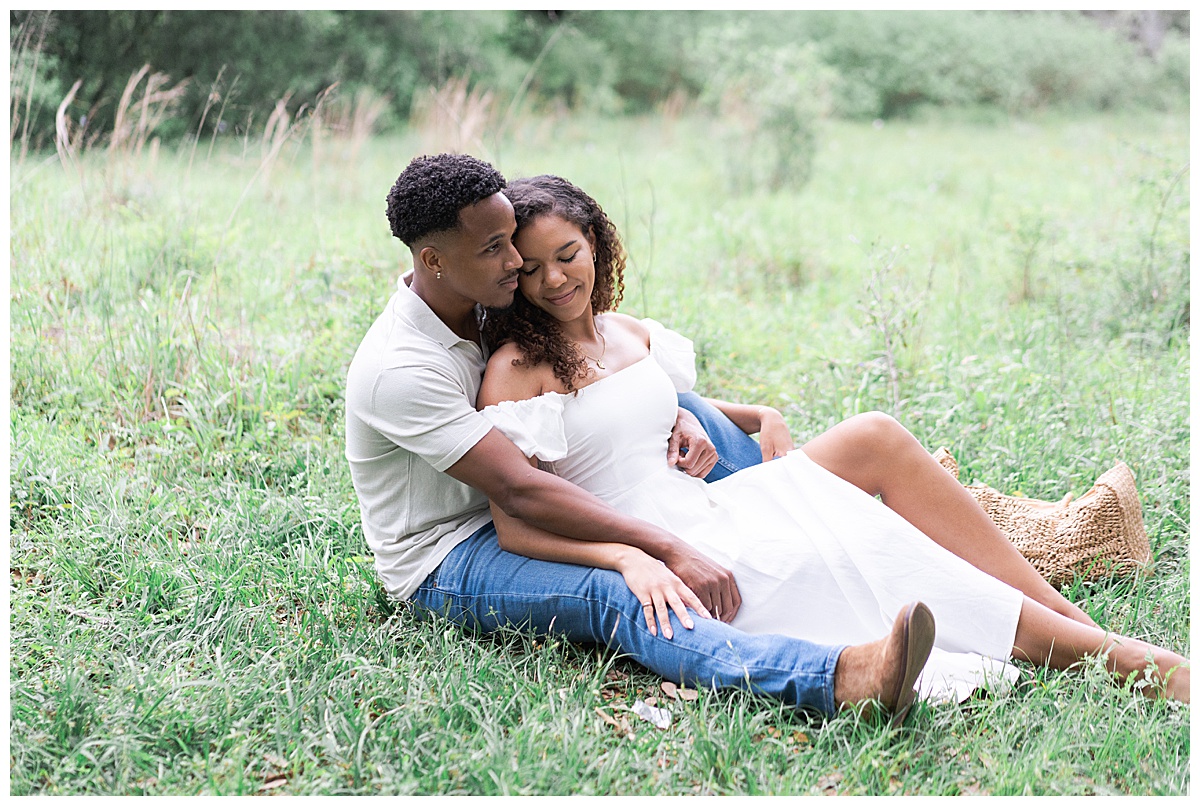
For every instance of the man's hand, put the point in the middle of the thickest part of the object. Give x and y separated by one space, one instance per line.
713 585
689 447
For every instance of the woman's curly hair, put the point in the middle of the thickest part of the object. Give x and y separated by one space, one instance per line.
535 332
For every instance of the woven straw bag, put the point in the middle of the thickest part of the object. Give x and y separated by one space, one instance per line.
1096 535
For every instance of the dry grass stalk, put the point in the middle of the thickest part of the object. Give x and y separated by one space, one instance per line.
368 107
674 105
352 120
275 134
319 123
135 123
453 117
671 109
64 143
366 111
38 23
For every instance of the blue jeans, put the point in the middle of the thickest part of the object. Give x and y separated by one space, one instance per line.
481 586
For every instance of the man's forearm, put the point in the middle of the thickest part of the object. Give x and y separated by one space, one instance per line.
496 467
557 506
530 541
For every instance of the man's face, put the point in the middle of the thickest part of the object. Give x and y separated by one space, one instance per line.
479 261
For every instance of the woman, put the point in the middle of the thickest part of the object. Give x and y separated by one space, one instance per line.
815 556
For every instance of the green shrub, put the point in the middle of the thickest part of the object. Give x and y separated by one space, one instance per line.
770 101
892 63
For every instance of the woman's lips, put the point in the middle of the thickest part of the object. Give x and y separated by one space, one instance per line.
563 299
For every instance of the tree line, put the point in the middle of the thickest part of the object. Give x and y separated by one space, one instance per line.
882 64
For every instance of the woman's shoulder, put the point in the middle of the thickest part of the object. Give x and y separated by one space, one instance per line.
509 377
628 324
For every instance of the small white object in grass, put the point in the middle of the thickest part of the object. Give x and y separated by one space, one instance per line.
658 717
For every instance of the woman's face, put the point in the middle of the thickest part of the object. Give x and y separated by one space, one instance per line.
559 271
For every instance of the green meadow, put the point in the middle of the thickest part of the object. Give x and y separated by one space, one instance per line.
193 608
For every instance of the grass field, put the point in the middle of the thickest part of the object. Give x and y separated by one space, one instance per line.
191 607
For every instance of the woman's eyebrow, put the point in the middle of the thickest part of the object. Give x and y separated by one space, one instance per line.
567 245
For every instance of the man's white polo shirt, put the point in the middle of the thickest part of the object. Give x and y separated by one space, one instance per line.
410 414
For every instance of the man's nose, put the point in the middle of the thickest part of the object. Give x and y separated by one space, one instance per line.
514 260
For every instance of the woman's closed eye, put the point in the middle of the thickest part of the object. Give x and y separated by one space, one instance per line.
527 269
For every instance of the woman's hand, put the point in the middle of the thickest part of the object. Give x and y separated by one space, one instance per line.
773 434
659 591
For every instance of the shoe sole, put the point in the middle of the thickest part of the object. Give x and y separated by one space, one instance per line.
919 631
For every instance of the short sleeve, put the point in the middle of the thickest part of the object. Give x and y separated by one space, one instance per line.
534 425
422 410
674 353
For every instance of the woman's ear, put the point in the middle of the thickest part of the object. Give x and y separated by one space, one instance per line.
591 239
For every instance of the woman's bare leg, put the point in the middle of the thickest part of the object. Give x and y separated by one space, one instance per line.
1051 639
878 455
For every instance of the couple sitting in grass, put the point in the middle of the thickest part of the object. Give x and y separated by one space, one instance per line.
579 487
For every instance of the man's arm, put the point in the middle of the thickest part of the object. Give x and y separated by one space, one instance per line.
655 586
496 467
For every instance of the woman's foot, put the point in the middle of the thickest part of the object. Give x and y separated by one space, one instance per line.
1170 674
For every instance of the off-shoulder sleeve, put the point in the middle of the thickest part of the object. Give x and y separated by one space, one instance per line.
534 425
674 353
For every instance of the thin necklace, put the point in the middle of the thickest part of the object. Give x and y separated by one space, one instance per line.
603 349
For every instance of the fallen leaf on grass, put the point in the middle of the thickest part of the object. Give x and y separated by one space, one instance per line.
272 783
676 693
828 784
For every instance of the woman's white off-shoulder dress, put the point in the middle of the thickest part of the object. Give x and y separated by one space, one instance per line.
814 556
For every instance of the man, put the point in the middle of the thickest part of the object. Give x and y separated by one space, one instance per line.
425 462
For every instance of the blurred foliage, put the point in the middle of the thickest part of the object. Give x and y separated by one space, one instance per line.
887 63
770 101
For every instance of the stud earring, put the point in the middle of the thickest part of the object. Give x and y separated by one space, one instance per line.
438 275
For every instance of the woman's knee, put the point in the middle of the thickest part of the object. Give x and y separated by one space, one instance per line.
873 430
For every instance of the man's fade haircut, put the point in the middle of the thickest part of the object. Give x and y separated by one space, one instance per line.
432 190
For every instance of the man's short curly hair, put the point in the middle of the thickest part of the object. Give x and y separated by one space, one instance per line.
430 192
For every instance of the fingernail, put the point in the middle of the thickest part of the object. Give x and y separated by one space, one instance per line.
689 624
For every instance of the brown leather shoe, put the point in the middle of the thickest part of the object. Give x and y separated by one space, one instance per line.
914 632
886 670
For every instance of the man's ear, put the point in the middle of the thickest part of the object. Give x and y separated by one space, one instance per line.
431 258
